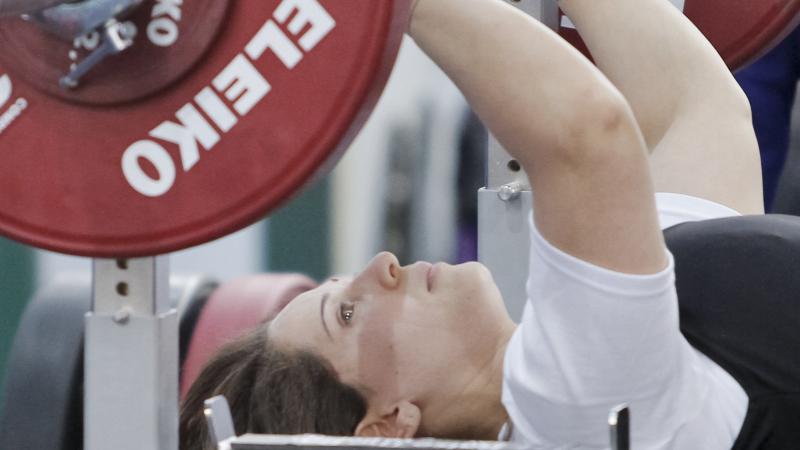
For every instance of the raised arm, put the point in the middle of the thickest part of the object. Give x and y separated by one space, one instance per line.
690 108
569 127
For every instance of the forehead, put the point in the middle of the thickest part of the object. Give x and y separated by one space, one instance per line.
299 323
302 304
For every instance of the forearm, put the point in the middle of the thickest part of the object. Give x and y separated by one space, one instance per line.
525 83
656 57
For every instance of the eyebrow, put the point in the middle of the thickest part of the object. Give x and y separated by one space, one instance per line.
322 316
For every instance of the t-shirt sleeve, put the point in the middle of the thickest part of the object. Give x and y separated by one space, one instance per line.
590 339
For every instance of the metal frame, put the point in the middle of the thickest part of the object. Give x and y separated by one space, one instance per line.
131 360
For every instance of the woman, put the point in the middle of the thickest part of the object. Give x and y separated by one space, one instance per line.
429 350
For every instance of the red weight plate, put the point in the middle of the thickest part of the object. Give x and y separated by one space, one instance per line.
283 89
741 30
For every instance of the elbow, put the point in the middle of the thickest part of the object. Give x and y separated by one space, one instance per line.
596 127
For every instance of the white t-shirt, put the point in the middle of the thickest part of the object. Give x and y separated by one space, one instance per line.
591 339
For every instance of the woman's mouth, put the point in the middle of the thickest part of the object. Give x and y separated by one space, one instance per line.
431 276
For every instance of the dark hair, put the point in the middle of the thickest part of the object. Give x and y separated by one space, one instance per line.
270 391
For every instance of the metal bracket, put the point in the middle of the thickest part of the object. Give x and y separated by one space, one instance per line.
75 19
219 420
139 286
131 358
116 38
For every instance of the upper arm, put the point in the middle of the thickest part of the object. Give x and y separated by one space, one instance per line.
693 114
710 151
595 200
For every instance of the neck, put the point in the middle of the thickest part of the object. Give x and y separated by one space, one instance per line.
470 407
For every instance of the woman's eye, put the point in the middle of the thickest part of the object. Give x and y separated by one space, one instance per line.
346 311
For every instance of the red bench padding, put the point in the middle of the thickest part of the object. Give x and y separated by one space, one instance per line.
235 308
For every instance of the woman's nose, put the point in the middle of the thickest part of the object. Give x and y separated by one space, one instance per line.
384 269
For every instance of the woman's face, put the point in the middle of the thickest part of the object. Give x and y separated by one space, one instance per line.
400 333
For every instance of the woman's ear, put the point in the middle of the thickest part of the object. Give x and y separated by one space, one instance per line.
402 422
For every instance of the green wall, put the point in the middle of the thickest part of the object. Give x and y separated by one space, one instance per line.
16 281
299 234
